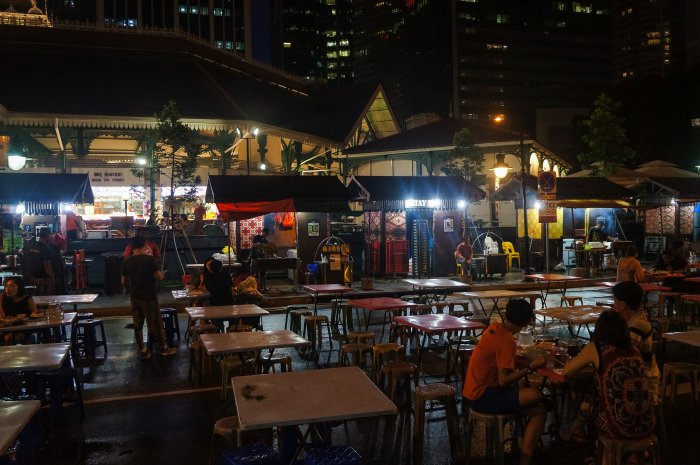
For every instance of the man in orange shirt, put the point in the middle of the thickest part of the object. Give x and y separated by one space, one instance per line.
149 249
491 385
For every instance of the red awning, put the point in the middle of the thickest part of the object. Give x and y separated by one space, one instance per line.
234 211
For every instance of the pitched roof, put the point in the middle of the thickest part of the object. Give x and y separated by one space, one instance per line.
377 188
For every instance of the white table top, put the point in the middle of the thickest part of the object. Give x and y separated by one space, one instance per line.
188 294
304 397
436 283
33 324
223 312
577 314
228 343
438 323
691 338
71 299
32 357
14 416
497 294
200 266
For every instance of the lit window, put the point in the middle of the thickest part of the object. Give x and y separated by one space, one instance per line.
217 11
330 33
502 19
332 65
344 42
332 75
331 55
219 44
228 45
345 53
204 10
561 6
131 22
183 8
286 45
330 2
194 10
330 43
227 12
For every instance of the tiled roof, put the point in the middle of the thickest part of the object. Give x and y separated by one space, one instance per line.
414 187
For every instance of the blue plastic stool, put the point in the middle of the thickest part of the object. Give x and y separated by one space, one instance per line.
337 455
173 313
169 326
84 340
252 454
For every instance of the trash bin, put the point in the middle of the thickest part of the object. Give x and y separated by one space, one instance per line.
113 273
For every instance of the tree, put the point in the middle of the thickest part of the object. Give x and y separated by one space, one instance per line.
219 144
467 159
605 138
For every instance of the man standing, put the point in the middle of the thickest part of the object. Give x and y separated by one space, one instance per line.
142 274
258 251
491 385
598 233
38 257
627 302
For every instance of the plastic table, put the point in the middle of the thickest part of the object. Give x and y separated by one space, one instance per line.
547 280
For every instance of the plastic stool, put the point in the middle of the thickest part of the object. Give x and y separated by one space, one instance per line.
385 352
675 297
229 429
615 449
84 316
313 328
84 340
293 307
337 455
357 351
494 432
444 394
267 365
173 313
169 326
464 304
253 454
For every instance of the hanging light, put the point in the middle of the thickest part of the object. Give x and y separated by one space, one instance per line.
500 168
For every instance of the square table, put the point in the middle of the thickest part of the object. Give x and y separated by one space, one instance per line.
307 398
29 358
14 416
192 295
316 289
691 338
580 315
68 299
224 312
37 324
219 344
547 280
496 295
380 304
436 323
436 286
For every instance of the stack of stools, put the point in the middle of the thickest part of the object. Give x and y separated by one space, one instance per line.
252 454
172 325
229 429
444 394
614 450
85 340
336 455
495 425
395 377
296 309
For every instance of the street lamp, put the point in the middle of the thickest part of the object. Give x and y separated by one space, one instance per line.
248 136
500 169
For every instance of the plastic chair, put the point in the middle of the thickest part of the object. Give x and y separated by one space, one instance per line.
509 250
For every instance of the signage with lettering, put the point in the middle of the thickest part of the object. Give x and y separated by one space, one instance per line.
548 212
110 176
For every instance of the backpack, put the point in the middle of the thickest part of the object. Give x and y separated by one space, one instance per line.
625 408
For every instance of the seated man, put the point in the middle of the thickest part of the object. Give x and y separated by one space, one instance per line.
491 385
464 254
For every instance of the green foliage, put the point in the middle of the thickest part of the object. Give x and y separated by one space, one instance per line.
262 146
605 138
176 151
467 159
219 143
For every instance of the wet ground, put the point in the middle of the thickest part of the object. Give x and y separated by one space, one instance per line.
152 413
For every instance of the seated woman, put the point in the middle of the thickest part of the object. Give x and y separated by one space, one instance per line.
217 283
624 401
206 270
13 302
629 267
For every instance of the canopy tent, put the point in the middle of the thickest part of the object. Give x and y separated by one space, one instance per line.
572 192
242 197
388 188
45 187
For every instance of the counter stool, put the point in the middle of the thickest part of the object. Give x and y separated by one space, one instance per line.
357 352
295 308
199 360
385 352
495 425
227 365
615 449
313 328
252 454
444 394
675 370
395 377
295 317
336 455
570 300
674 297
440 307
85 341
267 365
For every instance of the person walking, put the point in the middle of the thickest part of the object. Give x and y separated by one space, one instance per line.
141 272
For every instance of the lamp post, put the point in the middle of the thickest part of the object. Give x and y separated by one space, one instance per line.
500 169
247 137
